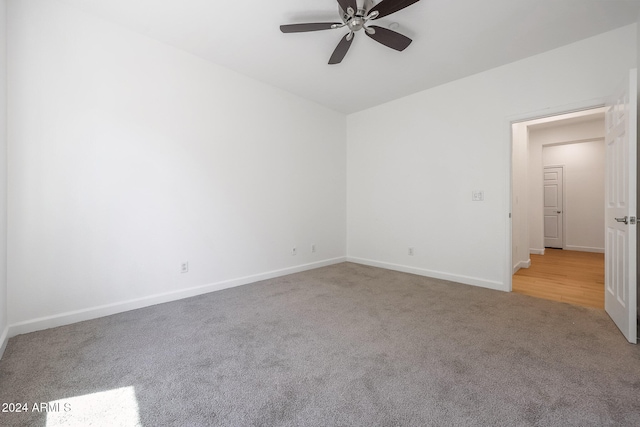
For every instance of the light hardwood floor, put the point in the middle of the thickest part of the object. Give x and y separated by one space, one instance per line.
567 276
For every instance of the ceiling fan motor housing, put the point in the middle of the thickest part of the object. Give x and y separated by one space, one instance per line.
362 11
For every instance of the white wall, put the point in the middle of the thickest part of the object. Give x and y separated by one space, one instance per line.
593 239
128 156
3 176
414 162
583 192
519 197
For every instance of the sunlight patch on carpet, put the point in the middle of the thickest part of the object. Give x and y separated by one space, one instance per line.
117 407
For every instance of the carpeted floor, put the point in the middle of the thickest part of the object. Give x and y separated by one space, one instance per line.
345 345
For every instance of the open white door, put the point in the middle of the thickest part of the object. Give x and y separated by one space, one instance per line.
620 209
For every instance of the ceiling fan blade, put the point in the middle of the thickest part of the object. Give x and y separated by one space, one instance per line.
341 50
387 7
389 38
345 4
302 28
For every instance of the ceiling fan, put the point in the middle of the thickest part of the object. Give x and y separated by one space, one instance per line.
356 19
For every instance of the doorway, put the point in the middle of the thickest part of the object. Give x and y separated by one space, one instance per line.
558 207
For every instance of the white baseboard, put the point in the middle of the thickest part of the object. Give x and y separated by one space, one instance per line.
4 339
521 264
467 280
119 307
584 249
536 251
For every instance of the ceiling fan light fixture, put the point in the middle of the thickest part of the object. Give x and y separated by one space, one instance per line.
356 21
372 15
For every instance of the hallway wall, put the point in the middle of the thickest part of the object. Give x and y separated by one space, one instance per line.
583 216
584 165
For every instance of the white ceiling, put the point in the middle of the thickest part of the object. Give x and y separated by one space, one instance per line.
451 39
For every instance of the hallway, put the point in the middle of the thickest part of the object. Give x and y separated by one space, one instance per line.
568 276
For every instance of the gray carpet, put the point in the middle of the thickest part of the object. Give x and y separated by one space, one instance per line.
345 345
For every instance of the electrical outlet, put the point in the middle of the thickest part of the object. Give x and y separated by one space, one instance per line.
184 267
313 248
477 195
294 251
410 251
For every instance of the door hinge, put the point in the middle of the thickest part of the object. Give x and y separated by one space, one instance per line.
632 220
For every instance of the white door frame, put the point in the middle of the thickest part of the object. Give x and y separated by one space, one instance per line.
524 117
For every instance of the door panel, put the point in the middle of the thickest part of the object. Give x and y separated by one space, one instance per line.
620 209
551 227
551 195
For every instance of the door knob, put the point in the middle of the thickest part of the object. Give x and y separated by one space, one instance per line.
625 220
559 212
